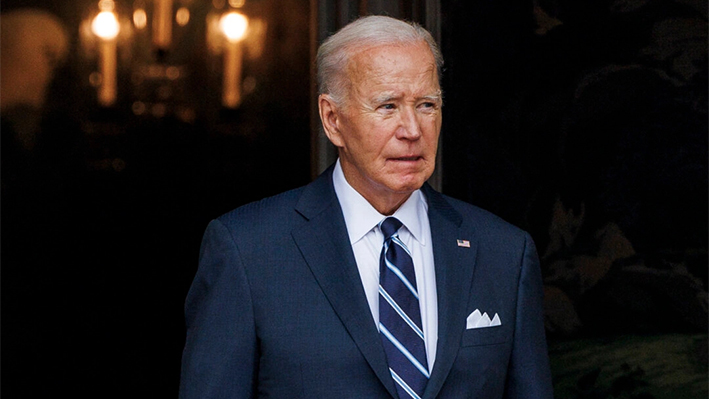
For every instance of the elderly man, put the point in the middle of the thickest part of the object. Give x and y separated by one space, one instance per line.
367 283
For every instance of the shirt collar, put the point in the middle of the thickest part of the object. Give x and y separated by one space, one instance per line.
360 216
409 213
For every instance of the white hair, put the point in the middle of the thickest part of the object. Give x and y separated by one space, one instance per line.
335 53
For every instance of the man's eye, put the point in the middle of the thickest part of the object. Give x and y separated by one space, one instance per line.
428 105
387 106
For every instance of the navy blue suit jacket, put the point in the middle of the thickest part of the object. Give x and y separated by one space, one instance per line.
277 308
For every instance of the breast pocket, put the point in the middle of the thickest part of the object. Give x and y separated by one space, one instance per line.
485 336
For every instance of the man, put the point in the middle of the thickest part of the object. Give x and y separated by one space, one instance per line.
317 293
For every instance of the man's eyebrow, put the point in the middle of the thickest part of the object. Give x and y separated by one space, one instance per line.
438 96
385 97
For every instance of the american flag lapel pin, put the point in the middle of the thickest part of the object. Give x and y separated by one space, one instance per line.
463 243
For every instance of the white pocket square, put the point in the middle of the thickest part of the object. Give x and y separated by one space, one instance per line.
478 320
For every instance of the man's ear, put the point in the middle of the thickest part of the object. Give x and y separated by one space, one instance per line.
330 118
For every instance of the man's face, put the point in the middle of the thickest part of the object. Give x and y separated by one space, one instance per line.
387 130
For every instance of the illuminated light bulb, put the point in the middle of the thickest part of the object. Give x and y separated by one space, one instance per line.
105 25
234 25
182 17
140 18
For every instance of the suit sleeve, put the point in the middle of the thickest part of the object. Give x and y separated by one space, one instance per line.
220 355
529 375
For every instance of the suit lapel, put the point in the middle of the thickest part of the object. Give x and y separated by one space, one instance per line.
323 242
454 272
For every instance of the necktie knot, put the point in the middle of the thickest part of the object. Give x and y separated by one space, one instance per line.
389 227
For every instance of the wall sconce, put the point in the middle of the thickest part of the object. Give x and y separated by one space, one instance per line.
233 26
105 26
235 39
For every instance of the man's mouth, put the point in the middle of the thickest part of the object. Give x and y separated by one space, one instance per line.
407 159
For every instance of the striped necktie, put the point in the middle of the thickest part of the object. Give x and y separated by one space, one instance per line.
399 315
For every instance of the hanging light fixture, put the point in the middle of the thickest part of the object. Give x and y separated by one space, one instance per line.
106 27
233 26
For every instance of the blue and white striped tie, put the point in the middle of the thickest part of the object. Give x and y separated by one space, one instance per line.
399 315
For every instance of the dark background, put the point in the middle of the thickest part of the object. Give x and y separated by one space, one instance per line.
102 219
583 122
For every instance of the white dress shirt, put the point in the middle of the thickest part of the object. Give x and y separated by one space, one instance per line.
362 222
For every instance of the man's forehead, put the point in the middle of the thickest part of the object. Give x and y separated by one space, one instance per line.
365 56
384 61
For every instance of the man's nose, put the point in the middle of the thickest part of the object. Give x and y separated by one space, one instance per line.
410 126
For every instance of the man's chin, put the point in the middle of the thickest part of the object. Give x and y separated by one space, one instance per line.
407 184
